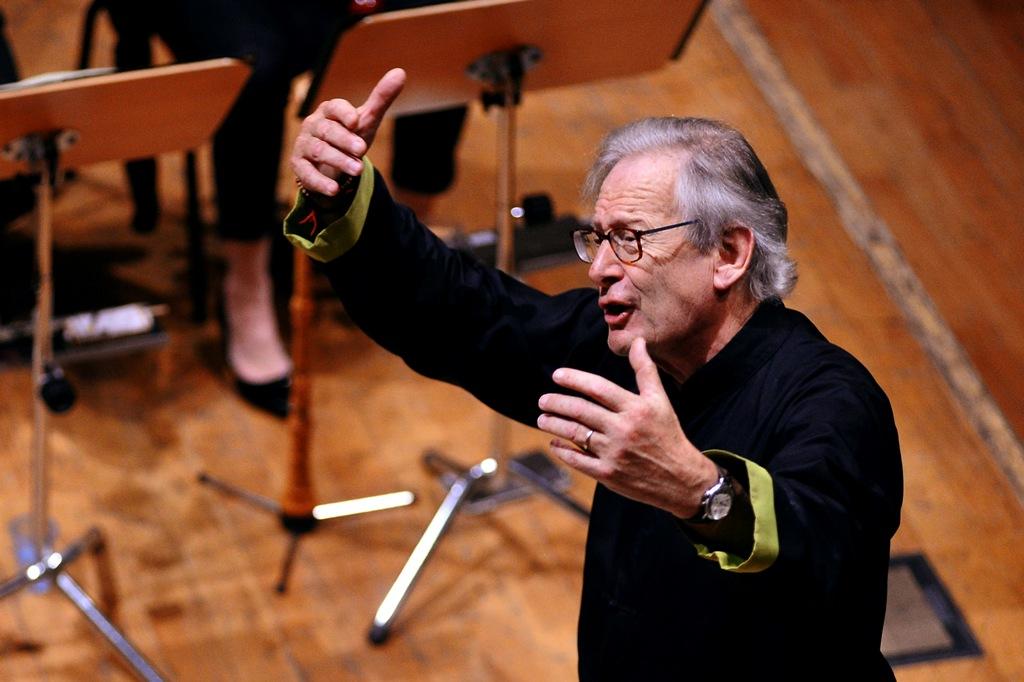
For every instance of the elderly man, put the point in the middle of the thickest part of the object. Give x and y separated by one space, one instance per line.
749 475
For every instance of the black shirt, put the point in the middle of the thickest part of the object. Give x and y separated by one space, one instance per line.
778 394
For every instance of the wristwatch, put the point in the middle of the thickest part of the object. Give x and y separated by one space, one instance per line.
716 501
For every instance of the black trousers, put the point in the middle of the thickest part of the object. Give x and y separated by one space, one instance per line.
281 40
16 194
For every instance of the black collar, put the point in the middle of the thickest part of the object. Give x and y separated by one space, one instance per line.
751 347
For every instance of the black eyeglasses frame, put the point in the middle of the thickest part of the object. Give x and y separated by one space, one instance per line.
579 239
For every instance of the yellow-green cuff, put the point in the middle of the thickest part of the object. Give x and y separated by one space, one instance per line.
766 531
341 234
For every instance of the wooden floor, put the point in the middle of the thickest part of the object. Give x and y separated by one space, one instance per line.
921 101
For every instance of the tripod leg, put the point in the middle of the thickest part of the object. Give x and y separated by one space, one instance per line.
399 592
19 581
362 505
104 574
289 559
252 498
138 663
520 468
55 562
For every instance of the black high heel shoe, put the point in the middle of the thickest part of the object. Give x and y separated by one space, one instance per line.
272 396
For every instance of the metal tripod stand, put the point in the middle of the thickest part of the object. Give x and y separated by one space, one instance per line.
483 486
46 566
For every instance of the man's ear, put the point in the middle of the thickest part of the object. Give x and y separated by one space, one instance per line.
733 256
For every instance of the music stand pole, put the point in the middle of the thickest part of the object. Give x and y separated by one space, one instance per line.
505 75
502 74
42 151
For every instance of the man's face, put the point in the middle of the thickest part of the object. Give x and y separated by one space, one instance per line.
667 297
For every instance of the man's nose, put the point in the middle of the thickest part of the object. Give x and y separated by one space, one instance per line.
606 266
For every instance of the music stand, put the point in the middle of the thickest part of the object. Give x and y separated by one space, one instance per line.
455 53
71 120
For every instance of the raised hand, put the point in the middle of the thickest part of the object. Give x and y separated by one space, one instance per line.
632 443
334 138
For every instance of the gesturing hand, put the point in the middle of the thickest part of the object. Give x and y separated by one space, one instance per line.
631 443
333 139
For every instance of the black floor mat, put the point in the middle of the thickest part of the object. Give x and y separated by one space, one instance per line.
921 622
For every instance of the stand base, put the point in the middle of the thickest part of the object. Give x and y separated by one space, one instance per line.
476 490
52 568
532 472
297 525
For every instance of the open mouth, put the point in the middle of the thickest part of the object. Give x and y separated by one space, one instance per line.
616 314
615 309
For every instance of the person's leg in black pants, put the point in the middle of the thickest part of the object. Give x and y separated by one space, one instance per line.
423 152
280 40
134 27
16 195
423 156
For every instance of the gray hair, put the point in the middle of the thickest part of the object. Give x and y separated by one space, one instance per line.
721 181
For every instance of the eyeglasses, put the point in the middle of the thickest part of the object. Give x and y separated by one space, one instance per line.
625 241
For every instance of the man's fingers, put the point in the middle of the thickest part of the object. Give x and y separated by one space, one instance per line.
384 94
338 136
601 390
573 431
333 140
647 378
313 178
340 110
337 155
577 409
594 467
327 124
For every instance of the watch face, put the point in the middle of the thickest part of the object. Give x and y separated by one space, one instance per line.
719 506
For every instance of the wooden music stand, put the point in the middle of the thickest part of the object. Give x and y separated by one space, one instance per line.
74 121
456 53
